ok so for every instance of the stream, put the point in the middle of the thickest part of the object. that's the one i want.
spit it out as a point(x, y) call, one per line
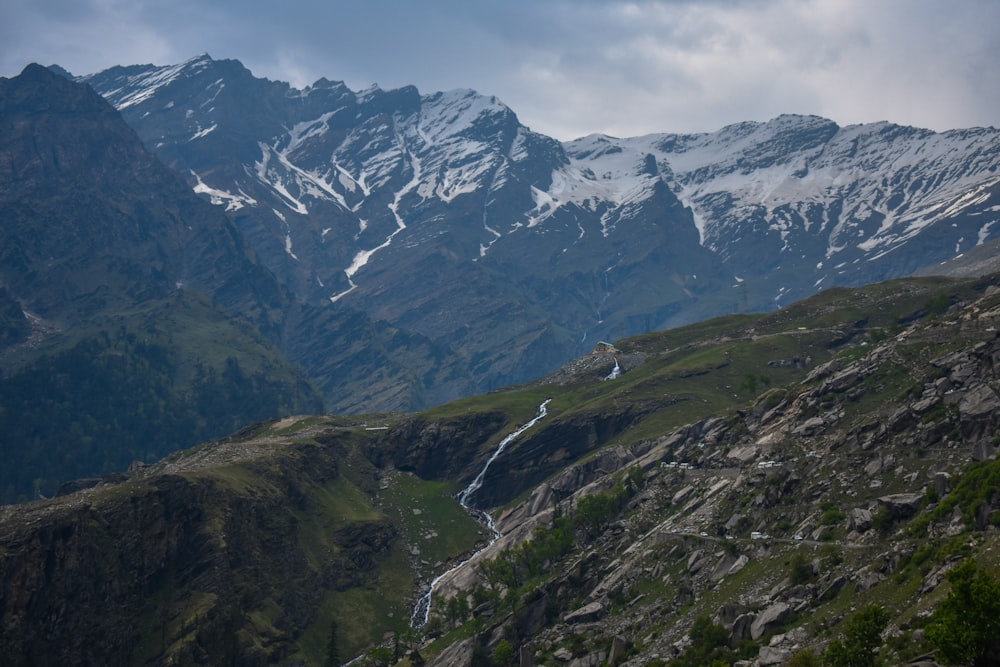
point(422, 609)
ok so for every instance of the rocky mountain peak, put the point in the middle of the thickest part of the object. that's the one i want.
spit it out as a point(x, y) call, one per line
point(40, 90)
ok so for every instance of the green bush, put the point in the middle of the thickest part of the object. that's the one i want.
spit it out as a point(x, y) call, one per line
point(862, 638)
point(832, 517)
point(801, 570)
point(709, 646)
point(966, 625)
point(804, 658)
point(503, 654)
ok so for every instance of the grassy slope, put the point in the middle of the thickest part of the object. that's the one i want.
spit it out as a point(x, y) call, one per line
point(707, 365)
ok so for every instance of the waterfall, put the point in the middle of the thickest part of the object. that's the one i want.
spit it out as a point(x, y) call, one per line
point(422, 610)
point(615, 372)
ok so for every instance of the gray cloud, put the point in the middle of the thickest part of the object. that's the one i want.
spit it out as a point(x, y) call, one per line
point(569, 68)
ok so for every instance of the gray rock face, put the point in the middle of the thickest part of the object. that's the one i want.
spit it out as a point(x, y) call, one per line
point(831, 589)
point(942, 483)
point(739, 564)
point(742, 627)
point(979, 401)
point(810, 426)
point(859, 519)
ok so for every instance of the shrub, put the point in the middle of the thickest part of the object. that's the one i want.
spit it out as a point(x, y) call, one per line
point(801, 569)
point(966, 625)
point(503, 654)
point(862, 637)
point(832, 517)
point(804, 658)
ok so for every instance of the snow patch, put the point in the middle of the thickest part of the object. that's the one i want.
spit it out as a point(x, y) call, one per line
point(201, 133)
point(221, 197)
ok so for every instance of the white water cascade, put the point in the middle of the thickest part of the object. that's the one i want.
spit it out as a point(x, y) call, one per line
point(615, 372)
point(422, 610)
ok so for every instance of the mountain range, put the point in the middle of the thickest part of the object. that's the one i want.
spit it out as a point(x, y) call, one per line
point(401, 250)
point(507, 253)
point(136, 319)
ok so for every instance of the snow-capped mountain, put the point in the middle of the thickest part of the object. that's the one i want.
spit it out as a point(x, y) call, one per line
point(444, 217)
point(850, 205)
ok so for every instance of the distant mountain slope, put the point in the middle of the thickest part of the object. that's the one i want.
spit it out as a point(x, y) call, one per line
point(442, 215)
point(93, 221)
point(133, 311)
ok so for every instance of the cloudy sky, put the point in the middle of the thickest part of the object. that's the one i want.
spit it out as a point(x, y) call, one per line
point(568, 67)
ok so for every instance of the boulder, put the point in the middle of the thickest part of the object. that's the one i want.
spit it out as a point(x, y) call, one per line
point(859, 519)
point(942, 483)
point(619, 647)
point(809, 427)
point(769, 619)
point(833, 588)
point(729, 612)
point(682, 496)
point(743, 455)
point(696, 561)
point(983, 451)
point(734, 523)
point(979, 401)
point(770, 655)
point(563, 654)
point(585, 614)
point(742, 628)
point(935, 577)
point(901, 505)
point(740, 563)
point(867, 580)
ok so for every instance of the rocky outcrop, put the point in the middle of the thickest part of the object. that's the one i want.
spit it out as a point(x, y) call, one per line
point(445, 449)
point(902, 505)
point(555, 443)
point(457, 448)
